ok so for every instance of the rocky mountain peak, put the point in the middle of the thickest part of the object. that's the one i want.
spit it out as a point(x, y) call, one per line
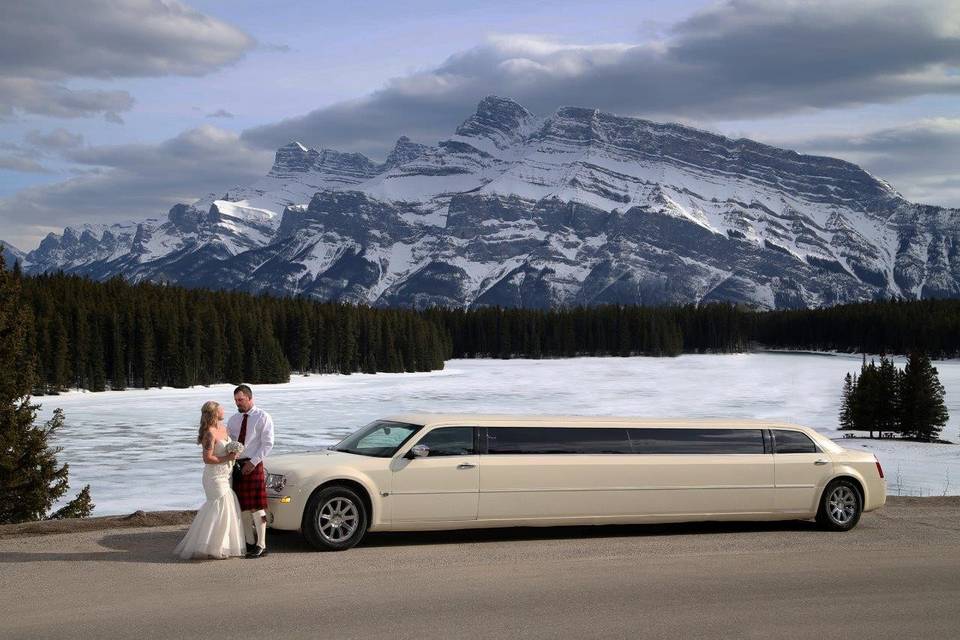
point(501, 120)
point(580, 207)
point(293, 157)
point(404, 151)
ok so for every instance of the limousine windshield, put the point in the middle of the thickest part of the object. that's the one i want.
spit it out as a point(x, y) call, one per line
point(379, 439)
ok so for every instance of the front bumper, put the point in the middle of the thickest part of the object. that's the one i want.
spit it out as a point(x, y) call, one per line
point(284, 512)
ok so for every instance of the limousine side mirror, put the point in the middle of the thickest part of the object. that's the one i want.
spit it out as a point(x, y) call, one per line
point(418, 451)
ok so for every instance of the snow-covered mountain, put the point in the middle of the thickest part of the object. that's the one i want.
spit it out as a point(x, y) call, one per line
point(11, 254)
point(579, 207)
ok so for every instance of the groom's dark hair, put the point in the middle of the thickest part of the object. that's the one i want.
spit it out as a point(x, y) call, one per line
point(245, 390)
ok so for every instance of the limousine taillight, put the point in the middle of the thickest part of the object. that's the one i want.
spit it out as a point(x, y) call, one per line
point(879, 468)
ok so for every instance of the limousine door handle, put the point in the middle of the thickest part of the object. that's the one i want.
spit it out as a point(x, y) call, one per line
point(820, 461)
point(465, 465)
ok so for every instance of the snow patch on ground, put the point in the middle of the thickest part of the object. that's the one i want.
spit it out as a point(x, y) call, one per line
point(136, 448)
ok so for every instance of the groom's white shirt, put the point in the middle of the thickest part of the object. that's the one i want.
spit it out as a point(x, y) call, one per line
point(259, 440)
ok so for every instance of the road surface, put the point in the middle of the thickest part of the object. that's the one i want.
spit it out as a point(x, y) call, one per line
point(897, 575)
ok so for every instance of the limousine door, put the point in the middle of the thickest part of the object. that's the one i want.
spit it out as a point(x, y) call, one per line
point(442, 487)
point(701, 472)
point(569, 473)
point(802, 470)
point(553, 473)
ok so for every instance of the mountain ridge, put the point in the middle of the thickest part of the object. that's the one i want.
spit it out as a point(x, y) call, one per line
point(578, 207)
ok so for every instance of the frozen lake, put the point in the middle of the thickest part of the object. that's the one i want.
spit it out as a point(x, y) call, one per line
point(136, 448)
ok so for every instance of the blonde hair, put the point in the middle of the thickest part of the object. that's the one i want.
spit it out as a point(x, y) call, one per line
point(209, 414)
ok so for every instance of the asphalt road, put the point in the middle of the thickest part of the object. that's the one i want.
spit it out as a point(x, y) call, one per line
point(897, 575)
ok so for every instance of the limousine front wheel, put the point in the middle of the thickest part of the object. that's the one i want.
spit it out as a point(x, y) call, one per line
point(335, 519)
point(840, 506)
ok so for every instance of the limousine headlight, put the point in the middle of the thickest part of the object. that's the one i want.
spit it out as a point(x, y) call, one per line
point(276, 482)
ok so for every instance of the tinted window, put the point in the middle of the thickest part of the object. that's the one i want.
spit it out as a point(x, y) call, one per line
point(449, 441)
point(696, 440)
point(529, 440)
point(792, 442)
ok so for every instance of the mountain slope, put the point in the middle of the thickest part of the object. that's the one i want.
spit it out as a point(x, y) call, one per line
point(11, 254)
point(579, 207)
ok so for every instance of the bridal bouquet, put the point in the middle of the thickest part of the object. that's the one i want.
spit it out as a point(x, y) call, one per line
point(235, 447)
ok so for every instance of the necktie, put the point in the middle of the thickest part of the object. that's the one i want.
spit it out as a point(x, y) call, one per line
point(243, 429)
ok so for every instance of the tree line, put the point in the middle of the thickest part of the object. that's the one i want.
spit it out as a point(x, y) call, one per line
point(885, 326)
point(115, 334)
point(610, 330)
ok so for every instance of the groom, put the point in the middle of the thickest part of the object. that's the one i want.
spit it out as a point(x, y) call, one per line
point(253, 427)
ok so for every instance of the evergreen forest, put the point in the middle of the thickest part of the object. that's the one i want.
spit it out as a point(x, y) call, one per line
point(117, 334)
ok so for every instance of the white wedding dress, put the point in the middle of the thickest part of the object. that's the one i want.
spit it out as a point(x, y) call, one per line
point(215, 531)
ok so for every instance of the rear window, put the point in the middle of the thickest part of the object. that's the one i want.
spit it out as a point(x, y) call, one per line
point(792, 442)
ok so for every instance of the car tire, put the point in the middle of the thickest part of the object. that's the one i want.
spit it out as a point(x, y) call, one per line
point(335, 519)
point(840, 506)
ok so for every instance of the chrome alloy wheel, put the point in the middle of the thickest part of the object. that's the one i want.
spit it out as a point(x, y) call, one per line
point(338, 519)
point(842, 505)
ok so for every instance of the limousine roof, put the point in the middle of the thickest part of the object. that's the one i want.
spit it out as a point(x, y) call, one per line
point(480, 419)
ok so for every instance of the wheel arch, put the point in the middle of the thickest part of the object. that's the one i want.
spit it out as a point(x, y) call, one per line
point(857, 482)
point(353, 484)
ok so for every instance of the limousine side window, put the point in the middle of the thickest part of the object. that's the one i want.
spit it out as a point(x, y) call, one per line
point(696, 441)
point(556, 440)
point(450, 441)
point(792, 442)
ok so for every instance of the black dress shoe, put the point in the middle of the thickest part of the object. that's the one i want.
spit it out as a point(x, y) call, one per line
point(258, 552)
point(251, 547)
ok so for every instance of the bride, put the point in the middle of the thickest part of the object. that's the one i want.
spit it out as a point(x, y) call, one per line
point(216, 531)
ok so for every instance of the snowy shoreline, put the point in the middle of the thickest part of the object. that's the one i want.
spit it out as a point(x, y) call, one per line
point(136, 448)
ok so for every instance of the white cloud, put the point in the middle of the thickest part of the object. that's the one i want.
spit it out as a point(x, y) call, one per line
point(918, 158)
point(56, 140)
point(45, 43)
point(739, 59)
point(21, 164)
point(52, 39)
point(133, 181)
point(56, 100)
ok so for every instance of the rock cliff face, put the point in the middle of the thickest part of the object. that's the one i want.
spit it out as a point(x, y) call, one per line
point(579, 207)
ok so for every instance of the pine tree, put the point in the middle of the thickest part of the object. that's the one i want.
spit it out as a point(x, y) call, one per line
point(923, 413)
point(887, 400)
point(846, 404)
point(60, 354)
point(31, 479)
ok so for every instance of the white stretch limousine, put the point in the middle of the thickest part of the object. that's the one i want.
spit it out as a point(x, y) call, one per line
point(429, 471)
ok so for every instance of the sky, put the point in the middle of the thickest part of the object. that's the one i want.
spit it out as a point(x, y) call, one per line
point(116, 110)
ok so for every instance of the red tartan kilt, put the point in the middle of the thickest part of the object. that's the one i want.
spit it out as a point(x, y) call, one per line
point(251, 490)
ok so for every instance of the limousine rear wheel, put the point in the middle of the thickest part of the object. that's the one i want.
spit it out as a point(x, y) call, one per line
point(840, 506)
point(335, 519)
